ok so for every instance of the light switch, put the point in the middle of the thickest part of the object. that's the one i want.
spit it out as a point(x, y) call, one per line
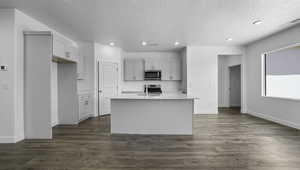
point(3, 68)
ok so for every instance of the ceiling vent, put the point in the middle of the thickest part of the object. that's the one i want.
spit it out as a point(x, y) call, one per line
point(295, 21)
point(153, 44)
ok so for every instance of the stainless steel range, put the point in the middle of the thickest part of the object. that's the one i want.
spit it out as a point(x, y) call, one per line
point(153, 89)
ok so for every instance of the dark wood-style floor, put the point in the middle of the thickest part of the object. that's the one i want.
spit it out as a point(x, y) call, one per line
point(228, 141)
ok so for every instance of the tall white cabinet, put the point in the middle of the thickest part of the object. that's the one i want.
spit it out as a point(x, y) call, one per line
point(37, 85)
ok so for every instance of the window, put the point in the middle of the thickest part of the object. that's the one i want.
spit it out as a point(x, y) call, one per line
point(281, 73)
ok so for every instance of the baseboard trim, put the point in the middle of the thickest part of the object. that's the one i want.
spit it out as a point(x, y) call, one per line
point(274, 119)
point(7, 139)
point(206, 113)
point(19, 138)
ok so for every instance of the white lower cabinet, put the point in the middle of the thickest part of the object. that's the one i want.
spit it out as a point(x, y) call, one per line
point(85, 106)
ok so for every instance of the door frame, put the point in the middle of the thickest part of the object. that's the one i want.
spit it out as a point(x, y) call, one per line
point(224, 91)
point(229, 84)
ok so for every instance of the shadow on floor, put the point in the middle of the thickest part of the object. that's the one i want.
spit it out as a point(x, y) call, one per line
point(232, 110)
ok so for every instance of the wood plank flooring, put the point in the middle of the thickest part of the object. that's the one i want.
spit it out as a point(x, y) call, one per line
point(228, 141)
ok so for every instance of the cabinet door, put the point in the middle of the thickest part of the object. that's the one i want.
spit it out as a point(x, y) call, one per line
point(71, 52)
point(149, 64)
point(133, 69)
point(58, 48)
point(138, 69)
point(81, 107)
point(86, 104)
point(175, 69)
point(129, 70)
point(165, 69)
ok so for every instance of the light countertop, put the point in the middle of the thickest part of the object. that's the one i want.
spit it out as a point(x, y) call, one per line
point(154, 97)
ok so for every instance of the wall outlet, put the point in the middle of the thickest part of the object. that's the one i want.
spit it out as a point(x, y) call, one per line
point(3, 68)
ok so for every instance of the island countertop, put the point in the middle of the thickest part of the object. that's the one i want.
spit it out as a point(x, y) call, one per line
point(154, 97)
point(165, 114)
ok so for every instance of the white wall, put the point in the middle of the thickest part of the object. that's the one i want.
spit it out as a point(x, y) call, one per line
point(281, 110)
point(13, 23)
point(54, 94)
point(167, 86)
point(224, 62)
point(202, 75)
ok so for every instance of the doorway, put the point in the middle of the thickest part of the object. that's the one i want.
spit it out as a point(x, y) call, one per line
point(230, 83)
point(107, 85)
point(235, 86)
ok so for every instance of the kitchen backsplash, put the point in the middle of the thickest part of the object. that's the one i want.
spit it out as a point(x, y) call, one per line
point(167, 86)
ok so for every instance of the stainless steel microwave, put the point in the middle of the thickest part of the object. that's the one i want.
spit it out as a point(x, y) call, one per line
point(152, 75)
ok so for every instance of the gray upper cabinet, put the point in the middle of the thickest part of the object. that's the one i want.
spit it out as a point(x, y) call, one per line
point(134, 69)
point(171, 68)
point(175, 69)
point(153, 64)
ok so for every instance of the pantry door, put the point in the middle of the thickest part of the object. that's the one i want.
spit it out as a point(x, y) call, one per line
point(107, 85)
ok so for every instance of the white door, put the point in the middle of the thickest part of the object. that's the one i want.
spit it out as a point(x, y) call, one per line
point(108, 85)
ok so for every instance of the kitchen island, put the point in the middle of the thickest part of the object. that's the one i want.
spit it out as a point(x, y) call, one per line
point(157, 114)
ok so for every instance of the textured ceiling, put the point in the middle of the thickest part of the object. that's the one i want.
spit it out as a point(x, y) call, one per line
point(191, 22)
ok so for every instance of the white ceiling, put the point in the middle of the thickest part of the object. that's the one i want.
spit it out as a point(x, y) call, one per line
point(191, 22)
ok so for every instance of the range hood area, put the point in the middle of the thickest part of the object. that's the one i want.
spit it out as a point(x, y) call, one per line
point(153, 66)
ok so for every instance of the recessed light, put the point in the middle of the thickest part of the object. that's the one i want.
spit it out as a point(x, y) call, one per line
point(229, 39)
point(257, 22)
point(144, 43)
point(112, 44)
point(176, 43)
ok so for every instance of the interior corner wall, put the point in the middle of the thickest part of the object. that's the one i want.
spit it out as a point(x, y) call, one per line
point(7, 78)
point(202, 75)
point(283, 111)
point(54, 94)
